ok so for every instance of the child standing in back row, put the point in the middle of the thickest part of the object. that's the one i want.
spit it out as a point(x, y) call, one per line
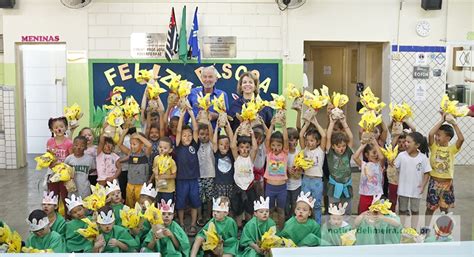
point(82, 164)
point(440, 186)
point(313, 142)
point(138, 173)
point(276, 144)
point(414, 168)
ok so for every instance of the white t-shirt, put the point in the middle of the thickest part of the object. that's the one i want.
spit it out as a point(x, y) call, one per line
point(206, 160)
point(292, 183)
point(412, 170)
point(243, 172)
point(317, 155)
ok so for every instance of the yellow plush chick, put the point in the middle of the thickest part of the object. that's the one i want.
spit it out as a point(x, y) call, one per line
point(91, 231)
point(14, 243)
point(399, 112)
point(143, 77)
point(184, 88)
point(153, 214)
point(164, 163)
point(370, 102)
point(131, 216)
point(278, 103)
point(62, 172)
point(286, 243)
point(259, 103)
point(249, 111)
point(97, 199)
point(219, 104)
point(174, 84)
point(381, 206)
point(115, 117)
point(339, 100)
point(204, 102)
point(212, 238)
point(5, 233)
point(292, 92)
point(131, 108)
point(369, 121)
point(45, 160)
point(348, 238)
point(316, 100)
point(73, 112)
point(34, 250)
point(451, 107)
point(154, 90)
point(390, 153)
point(270, 239)
point(301, 162)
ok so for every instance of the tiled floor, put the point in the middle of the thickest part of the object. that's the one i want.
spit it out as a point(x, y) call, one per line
point(20, 192)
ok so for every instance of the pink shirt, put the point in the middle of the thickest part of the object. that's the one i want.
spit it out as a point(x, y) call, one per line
point(105, 164)
point(61, 151)
point(276, 166)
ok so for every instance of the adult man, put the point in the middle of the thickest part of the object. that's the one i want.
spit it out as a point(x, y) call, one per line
point(208, 79)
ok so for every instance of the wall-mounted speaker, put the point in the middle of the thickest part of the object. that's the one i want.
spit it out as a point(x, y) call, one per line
point(431, 4)
point(7, 3)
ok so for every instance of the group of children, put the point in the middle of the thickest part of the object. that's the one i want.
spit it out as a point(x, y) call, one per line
point(213, 174)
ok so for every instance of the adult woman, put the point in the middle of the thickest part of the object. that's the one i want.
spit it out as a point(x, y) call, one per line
point(247, 88)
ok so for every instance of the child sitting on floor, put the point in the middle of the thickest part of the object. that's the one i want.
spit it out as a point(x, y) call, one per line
point(41, 237)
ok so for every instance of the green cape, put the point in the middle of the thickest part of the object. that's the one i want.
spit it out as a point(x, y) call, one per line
point(52, 240)
point(227, 230)
point(302, 234)
point(165, 245)
point(378, 233)
point(331, 236)
point(253, 232)
point(74, 241)
point(123, 236)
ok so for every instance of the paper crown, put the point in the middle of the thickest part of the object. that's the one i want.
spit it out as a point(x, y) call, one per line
point(50, 198)
point(112, 186)
point(264, 203)
point(217, 205)
point(338, 209)
point(148, 190)
point(106, 218)
point(166, 206)
point(36, 225)
point(73, 202)
point(305, 197)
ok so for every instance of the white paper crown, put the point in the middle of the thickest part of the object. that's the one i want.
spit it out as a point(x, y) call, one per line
point(112, 186)
point(217, 205)
point(166, 206)
point(305, 197)
point(36, 225)
point(264, 203)
point(148, 190)
point(73, 202)
point(50, 198)
point(334, 210)
point(106, 218)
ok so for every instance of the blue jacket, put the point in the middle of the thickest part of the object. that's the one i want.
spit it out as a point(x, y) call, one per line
point(193, 100)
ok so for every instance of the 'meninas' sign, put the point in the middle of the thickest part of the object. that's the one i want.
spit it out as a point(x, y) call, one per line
point(40, 38)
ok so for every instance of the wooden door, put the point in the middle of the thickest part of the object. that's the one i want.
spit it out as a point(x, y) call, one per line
point(329, 70)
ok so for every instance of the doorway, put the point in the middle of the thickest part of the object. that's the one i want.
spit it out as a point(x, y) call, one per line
point(340, 66)
point(42, 71)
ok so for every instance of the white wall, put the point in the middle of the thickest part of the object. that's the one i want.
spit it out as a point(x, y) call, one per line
point(43, 17)
point(257, 26)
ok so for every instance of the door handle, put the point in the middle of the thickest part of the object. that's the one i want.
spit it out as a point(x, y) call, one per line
point(59, 80)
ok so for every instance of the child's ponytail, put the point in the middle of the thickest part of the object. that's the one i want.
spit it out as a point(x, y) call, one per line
point(419, 139)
